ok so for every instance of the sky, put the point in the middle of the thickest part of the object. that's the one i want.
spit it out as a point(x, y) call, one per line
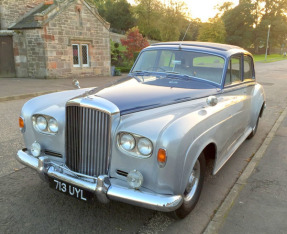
point(202, 9)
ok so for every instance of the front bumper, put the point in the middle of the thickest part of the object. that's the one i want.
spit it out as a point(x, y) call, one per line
point(103, 188)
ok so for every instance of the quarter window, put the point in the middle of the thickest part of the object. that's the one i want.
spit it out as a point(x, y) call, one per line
point(234, 71)
point(80, 55)
point(248, 68)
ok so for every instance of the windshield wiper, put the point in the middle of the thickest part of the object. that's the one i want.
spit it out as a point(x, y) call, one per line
point(172, 72)
point(177, 75)
point(140, 73)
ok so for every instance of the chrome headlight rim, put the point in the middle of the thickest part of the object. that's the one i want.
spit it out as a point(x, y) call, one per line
point(53, 125)
point(145, 146)
point(41, 123)
point(135, 152)
point(47, 130)
point(129, 139)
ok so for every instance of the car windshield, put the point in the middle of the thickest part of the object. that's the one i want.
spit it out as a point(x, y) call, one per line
point(183, 63)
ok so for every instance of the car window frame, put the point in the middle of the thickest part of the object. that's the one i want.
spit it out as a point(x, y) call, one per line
point(252, 79)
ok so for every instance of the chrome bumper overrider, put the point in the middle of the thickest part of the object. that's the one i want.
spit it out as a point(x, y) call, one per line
point(102, 187)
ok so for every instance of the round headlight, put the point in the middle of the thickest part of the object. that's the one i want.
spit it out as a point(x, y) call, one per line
point(127, 142)
point(53, 125)
point(135, 179)
point(36, 149)
point(41, 123)
point(145, 146)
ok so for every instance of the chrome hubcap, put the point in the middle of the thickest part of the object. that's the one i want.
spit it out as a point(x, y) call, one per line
point(192, 182)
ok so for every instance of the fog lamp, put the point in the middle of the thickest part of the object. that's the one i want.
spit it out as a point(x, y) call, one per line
point(36, 149)
point(135, 179)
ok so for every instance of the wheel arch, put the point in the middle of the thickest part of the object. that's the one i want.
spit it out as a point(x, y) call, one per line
point(209, 149)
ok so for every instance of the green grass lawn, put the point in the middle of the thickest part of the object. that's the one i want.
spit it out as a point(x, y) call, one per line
point(270, 58)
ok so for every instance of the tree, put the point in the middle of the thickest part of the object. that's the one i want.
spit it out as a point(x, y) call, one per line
point(193, 27)
point(117, 13)
point(247, 24)
point(148, 13)
point(134, 42)
point(172, 20)
point(213, 31)
point(239, 24)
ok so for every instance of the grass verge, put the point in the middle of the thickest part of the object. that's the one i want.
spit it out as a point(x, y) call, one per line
point(270, 58)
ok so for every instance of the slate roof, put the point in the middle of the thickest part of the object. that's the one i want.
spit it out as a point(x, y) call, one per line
point(29, 22)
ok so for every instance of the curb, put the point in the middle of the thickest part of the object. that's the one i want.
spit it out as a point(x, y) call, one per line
point(22, 96)
point(219, 217)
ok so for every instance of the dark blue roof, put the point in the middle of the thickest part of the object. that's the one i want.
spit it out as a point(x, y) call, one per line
point(211, 47)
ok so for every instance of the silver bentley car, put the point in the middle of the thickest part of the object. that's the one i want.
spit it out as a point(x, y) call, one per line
point(145, 139)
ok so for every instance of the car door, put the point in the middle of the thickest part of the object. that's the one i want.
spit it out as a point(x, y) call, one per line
point(249, 85)
point(234, 98)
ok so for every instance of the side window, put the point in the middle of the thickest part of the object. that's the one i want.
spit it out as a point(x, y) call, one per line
point(248, 68)
point(234, 71)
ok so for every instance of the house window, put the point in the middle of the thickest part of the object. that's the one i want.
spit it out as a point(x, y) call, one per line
point(85, 53)
point(80, 55)
point(76, 56)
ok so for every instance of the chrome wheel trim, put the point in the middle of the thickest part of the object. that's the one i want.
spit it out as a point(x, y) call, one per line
point(193, 181)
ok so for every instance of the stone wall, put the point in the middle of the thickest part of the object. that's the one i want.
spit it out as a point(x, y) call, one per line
point(36, 56)
point(76, 24)
point(20, 54)
point(13, 10)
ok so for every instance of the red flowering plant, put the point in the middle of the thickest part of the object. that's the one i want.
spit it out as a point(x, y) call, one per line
point(134, 42)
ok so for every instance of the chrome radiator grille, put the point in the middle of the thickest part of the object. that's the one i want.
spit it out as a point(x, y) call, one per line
point(87, 140)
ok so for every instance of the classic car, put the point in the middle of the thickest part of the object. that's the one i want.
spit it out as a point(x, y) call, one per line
point(145, 139)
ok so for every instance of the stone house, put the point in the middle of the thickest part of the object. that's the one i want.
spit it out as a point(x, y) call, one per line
point(52, 39)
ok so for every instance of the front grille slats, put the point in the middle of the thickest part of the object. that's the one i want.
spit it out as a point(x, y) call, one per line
point(87, 140)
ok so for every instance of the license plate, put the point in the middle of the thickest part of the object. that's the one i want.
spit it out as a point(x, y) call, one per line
point(71, 190)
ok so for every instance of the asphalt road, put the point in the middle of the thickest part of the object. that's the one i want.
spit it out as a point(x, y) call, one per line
point(29, 206)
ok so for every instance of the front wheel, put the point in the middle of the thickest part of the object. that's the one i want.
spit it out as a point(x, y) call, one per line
point(193, 189)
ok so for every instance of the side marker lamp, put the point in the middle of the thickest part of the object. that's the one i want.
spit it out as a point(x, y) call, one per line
point(161, 157)
point(21, 124)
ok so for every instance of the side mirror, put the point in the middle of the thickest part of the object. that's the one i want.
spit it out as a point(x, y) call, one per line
point(211, 100)
point(76, 83)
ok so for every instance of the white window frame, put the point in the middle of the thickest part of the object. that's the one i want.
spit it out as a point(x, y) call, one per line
point(88, 61)
point(79, 58)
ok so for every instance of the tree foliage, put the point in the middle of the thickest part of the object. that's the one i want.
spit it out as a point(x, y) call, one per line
point(134, 42)
point(239, 24)
point(213, 31)
point(117, 12)
point(247, 24)
point(160, 21)
point(147, 14)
